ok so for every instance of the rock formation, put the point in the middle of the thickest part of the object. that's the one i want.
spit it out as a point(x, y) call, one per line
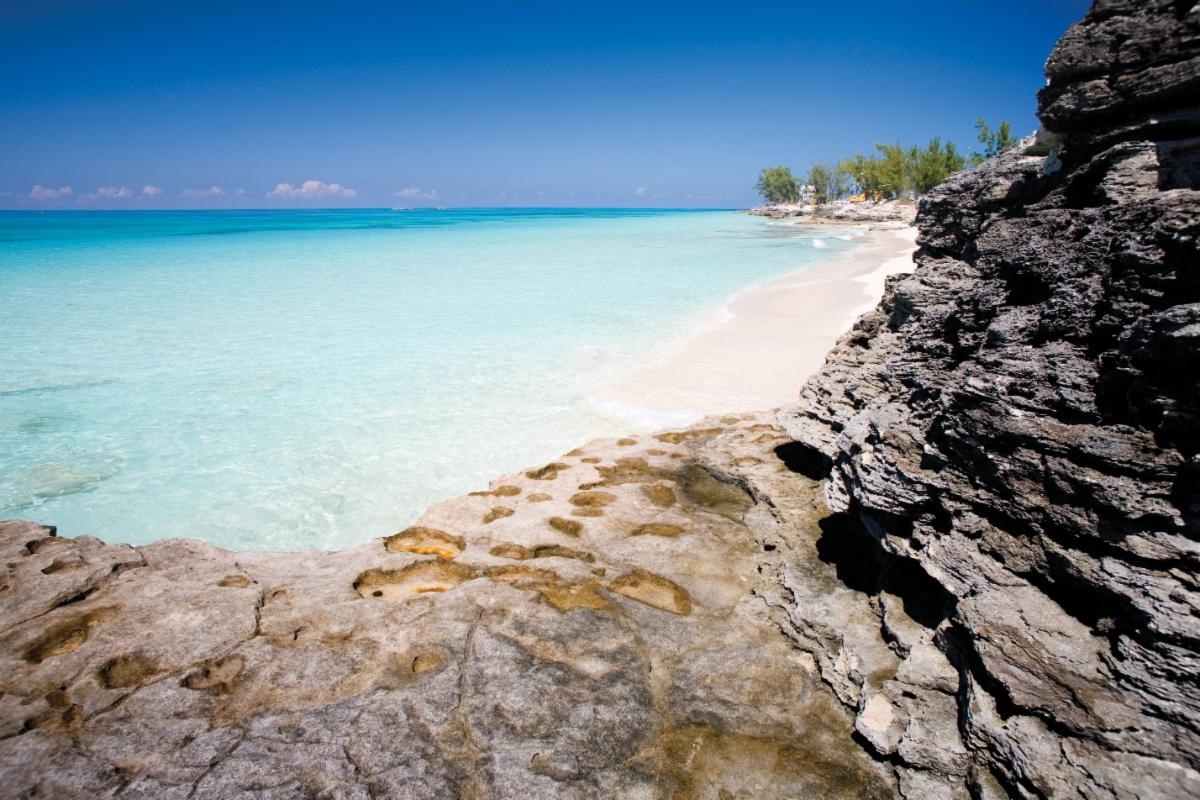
point(967, 569)
point(1013, 437)
point(882, 214)
point(595, 627)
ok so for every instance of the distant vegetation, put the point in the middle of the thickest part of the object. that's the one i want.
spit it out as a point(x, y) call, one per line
point(777, 185)
point(894, 171)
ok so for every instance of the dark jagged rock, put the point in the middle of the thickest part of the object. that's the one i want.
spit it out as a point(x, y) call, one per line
point(1018, 425)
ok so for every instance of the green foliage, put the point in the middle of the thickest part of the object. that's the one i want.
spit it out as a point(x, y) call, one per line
point(867, 175)
point(777, 185)
point(897, 170)
point(934, 164)
point(994, 141)
point(830, 181)
point(893, 171)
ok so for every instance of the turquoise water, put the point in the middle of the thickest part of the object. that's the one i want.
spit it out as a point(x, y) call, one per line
point(295, 379)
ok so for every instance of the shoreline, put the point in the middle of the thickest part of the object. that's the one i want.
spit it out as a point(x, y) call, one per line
point(771, 337)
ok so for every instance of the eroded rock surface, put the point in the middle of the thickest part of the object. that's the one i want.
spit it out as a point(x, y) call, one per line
point(596, 627)
point(1013, 439)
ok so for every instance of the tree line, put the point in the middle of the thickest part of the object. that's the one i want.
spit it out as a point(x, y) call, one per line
point(893, 171)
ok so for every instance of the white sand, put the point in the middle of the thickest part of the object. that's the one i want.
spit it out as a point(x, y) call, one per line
point(772, 339)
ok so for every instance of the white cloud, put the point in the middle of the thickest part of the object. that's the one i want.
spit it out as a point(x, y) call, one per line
point(414, 193)
point(312, 189)
point(110, 193)
point(151, 191)
point(212, 191)
point(40, 192)
point(640, 191)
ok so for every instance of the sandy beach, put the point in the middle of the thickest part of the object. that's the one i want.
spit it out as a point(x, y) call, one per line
point(771, 338)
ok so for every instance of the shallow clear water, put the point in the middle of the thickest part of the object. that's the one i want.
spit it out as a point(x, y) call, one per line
point(295, 379)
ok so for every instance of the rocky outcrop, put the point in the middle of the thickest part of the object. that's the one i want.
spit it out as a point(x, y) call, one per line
point(1012, 438)
point(595, 627)
point(883, 214)
point(898, 213)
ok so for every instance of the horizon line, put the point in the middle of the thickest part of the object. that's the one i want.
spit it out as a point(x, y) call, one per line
point(365, 208)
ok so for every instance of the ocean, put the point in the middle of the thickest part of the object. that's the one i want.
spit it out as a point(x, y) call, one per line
point(313, 379)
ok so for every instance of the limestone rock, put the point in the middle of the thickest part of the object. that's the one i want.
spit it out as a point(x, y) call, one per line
point(534, 654)
point(1014, 431)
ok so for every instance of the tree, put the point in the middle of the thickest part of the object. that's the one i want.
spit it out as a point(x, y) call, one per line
point(830, 181)
point(994, 142)
point(931, 166)
point(818, 179)
point(777, 185)
point(893, 169)
point(866, 175)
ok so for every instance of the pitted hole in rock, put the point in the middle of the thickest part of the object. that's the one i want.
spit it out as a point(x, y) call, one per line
point(63, 565)
point(1025, 287)
point(558, 551)
point(421, 577)
point(864, 566)
point(628, 470)
point(39, 545)
point(567, 527)
point(497, 512)
point(853, 553)
point(410, 665)
point(566, 596)
point(653, 590)
point(659, 494)
point(663, 529)
point(515, 573)
point(708, 491)
point(519, 553)
point(548, 472)
point(218, 675)
point(705, 761)
point(514, 551)
point(678, 437)
point(562, 595)
point(507, 490)
point(67, 637)
point(592, 499)
point(587, 512)
point(134, 669)
point(234, 582)
point(804, 460)
point(425, 541)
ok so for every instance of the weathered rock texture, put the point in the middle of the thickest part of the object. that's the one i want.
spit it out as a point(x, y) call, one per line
point(1013, 438)
point(595, 627)
point(883, 214)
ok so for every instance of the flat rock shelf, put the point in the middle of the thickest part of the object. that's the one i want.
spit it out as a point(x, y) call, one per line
point(609, 624)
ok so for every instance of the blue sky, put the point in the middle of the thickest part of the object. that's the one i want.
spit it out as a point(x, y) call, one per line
point(160, 104)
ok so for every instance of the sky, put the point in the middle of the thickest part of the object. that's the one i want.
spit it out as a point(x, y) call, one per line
point(161, 104)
